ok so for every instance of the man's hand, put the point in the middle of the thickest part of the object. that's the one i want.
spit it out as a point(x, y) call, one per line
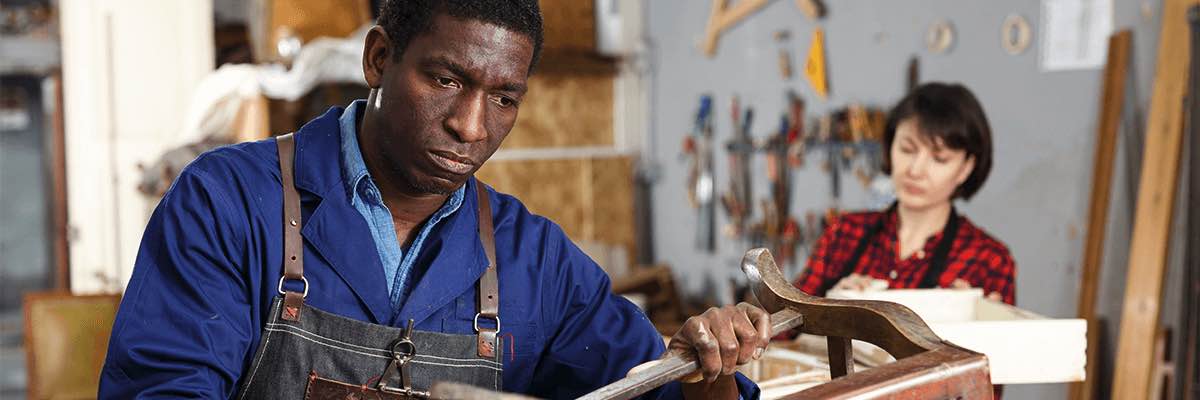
point(723, 338)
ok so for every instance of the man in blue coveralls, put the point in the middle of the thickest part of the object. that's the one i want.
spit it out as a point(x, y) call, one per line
point(394, 229)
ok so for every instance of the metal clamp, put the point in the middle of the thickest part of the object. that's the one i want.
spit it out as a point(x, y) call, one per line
point(495, 317)
point(302, 279)
point(403, 350)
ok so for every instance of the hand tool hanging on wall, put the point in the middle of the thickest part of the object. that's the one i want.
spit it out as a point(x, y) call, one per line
point(738, 199)
point(866, 127)
point(796, 135)
point(777, 229)
point(722, 18)
point(1015, 34)
point(850, 139)
point(813, 9)
point(914, 74)
point(939, 38)
point(814, 67)
point(698, 146)
point(785, 57)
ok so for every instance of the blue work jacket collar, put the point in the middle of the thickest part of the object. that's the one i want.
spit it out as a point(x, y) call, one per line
point(337, 233)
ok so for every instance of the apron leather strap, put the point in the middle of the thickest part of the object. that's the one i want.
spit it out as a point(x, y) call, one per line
point(489, 288)
point(293, 244)
point(859, 249)
point(937, 264)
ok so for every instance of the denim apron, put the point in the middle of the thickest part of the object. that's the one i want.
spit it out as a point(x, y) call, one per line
point(311, 354)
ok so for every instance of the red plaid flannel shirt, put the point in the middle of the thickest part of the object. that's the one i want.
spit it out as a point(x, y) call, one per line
point(975, 257)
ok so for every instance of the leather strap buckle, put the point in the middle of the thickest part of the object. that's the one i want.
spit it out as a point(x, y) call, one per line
point(493, 317)
point(302, 280)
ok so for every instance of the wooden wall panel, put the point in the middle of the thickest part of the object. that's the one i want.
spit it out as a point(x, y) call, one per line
point(568, 25)
point(565, 111)
point(591, 198)
point(550, 188)
point(610, 186)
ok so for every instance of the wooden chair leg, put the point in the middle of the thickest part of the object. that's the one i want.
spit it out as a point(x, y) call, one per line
point(841, 356)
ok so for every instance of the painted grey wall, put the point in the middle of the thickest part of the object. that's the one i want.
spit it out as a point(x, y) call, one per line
point(1044, 123)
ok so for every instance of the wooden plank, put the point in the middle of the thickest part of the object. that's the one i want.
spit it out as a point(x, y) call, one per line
point(1155, 204)
point(1022, 346)
point(1024, 351)
point(1188, 358)
point(56, 148)
point(1111, 102)
point(933, 305)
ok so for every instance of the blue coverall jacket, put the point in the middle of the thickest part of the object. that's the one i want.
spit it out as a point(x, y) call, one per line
point(210, 262)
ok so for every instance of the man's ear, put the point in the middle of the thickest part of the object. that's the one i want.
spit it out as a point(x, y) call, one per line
point(377, 53)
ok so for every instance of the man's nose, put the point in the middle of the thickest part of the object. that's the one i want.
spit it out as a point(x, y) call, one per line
point(466, 121)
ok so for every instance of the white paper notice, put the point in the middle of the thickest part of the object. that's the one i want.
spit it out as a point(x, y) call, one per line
point(1075, 33)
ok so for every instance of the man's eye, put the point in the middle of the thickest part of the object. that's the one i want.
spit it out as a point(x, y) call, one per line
point(503, 101)
point(447, 82)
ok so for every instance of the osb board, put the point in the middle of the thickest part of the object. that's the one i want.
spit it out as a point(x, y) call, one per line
point(591, 198)
point(565, 111)
point(611, 189)
point(568, 25)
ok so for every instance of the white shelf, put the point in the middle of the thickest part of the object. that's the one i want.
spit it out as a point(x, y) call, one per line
point(29, 55)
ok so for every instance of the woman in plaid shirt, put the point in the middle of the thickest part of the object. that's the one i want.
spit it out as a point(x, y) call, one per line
point(939, 149)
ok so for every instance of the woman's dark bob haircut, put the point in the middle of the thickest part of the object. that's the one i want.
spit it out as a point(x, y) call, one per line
point(948, 115)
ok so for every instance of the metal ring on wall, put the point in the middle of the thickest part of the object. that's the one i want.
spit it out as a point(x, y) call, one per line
point(940, 37)
point(1015, 34)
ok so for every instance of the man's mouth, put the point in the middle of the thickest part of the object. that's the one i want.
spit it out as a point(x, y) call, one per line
point(452, 162)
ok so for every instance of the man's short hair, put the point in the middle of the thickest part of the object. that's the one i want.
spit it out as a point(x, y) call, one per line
point(404, 20)
point(948, 112)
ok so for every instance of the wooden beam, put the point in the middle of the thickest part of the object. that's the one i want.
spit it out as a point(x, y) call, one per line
point(1111, 103)
point(57, 155)
point(1186, 360)
point(1155, 204)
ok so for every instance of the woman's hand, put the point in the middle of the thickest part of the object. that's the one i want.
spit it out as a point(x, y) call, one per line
point(963, 284)
point(860, 283)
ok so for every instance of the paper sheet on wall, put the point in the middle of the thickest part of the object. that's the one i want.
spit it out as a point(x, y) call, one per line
point(1075, 34)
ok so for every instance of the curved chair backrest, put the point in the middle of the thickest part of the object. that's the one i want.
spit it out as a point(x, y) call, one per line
point(926, 366)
